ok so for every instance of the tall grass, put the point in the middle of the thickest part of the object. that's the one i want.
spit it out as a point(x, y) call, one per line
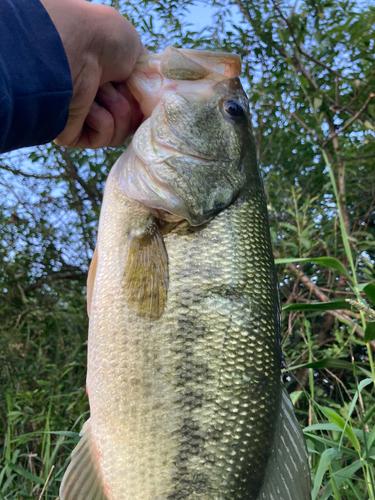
point(341, 430)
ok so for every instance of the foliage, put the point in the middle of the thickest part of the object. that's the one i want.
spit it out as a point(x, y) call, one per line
point(309, 73)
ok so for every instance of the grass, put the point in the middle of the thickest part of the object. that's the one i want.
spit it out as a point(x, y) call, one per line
point(42, 426)
point(43, 403)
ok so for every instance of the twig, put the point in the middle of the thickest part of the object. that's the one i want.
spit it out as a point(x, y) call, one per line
point(367, 429)
point(345, 389)
point(323, 298)
point(15, 171)
point(350, 121)
point(312, 58)
point(343, 108)
point(306, 127)
point(361, 157)
point(19, 318)
point(72, 172)
point(56, 276)
point(46, 483)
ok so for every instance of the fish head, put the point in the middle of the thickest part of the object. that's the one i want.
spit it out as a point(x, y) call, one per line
point(194, 154)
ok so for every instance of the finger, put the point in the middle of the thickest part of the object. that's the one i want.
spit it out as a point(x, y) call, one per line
point(98, 129)
point(116, 111)
point(120, 109)
point(136, 114)
point(73, 128)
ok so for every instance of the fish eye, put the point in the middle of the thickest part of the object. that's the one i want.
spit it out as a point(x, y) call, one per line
point(233, 109)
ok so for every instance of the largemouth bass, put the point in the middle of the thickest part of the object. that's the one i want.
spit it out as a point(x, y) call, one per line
point(184, 351)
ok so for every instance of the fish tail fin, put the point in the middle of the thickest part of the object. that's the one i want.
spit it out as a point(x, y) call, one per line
point(287, 474)
point(81, 480)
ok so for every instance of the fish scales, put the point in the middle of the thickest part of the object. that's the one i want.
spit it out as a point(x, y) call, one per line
point(190, 391)
point(184, 359)
point(229, 362)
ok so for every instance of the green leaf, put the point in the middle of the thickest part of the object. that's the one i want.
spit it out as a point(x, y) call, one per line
point(25, 473)
point(371, 437)
point(294, 396)
point(325, 461)
point(330, 262)
point(317, 306)
point(305, 242)
point(341, 476)
point(340, 422)
point(317, 102)
point(347, 472)
point(370, 331)
point(322, 427)
point(369, 290)
point(70, 434)
point(341, 219)
point(288, 226)
point(364, 383)
point(369, 125)
point(328, 442)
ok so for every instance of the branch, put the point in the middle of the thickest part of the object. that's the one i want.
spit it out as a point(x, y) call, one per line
point(312, 58)
point(361, 157)
point(309, 284)
point(67, 275)
point(350, 121)
point(24, 174)
point(306, 127)
point(343, 108)
point(246, 15)
point(92, 193)
point(315, 290)
point(19, 318)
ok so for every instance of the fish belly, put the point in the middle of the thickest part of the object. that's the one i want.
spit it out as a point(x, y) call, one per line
point(183, 407)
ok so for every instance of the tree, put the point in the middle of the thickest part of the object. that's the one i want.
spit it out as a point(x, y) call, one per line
point(309, 73)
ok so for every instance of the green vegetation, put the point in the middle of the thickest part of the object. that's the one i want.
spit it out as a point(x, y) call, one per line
point(309, 72)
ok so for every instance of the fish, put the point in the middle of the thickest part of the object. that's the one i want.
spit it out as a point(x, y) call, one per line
point(184, 356)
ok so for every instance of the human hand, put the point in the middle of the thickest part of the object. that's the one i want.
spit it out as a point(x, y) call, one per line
point(102, 48)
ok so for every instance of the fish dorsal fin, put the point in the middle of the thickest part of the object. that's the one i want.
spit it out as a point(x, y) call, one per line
point(81, 480)
point(287, 474)
point(146, 272)
point(91, 279)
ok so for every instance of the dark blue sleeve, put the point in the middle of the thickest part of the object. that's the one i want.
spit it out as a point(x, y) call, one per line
point(35, 82)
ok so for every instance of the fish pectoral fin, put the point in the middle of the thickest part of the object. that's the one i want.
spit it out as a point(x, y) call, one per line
point(287, 473)
point(146, 272)
point(81, 480)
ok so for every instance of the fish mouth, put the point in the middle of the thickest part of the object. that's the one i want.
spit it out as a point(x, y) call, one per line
point(154, 74)
point(191, 64)
point(170, 165)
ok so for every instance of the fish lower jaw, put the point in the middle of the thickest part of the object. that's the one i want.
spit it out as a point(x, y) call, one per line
point(168, 217)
